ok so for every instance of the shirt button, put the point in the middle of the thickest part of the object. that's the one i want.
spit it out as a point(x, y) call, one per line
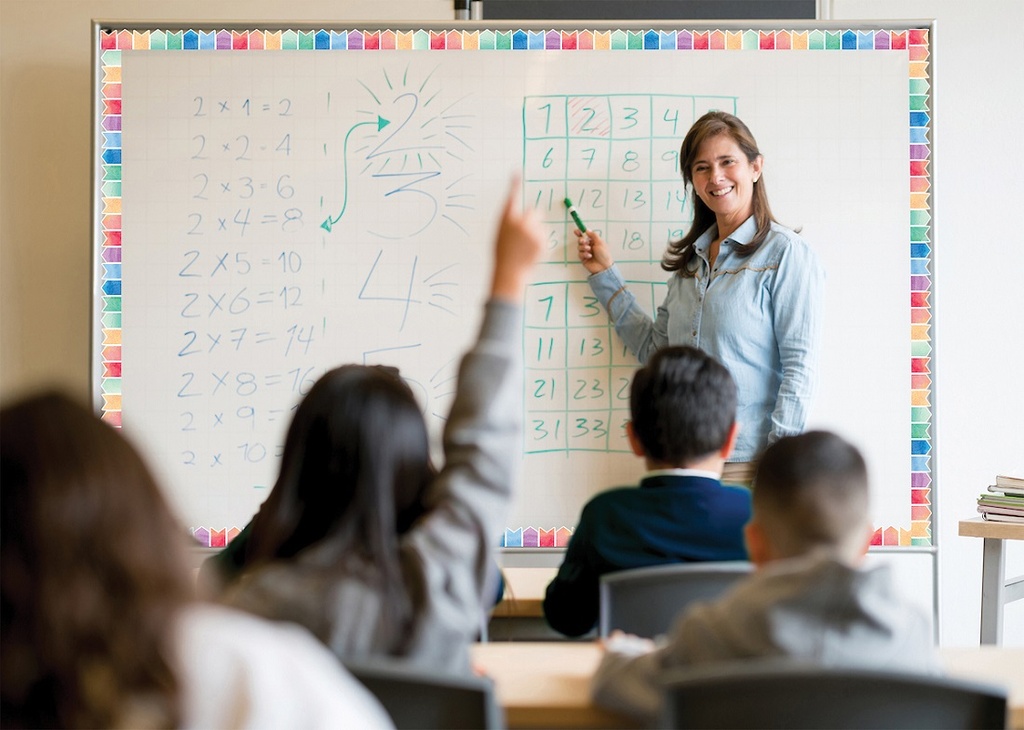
point(695, 333)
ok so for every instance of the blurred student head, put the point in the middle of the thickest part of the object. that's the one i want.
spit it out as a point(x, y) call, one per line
point(810, 493)
point(93, 570)
point(683, 408)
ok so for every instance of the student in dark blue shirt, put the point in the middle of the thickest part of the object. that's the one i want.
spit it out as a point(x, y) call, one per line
point(683, 410)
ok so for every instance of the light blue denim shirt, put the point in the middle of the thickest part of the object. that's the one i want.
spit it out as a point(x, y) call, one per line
point(759, 315)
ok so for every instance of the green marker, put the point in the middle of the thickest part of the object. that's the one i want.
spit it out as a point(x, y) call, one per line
point(575, 216)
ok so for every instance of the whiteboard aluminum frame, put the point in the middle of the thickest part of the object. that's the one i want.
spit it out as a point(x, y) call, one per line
point(823, 22)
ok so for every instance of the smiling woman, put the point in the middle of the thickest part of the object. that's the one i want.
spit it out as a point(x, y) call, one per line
point(744, 288)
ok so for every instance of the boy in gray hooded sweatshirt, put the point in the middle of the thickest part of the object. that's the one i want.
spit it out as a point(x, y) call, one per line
point(809, 599)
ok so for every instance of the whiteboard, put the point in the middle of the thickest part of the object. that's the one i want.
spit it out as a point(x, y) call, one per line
point(273, 202)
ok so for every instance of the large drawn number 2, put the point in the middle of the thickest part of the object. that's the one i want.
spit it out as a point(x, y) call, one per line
point(377, 151)
point(411, 179)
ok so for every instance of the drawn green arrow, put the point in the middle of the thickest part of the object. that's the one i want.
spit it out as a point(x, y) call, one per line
point(330, 222)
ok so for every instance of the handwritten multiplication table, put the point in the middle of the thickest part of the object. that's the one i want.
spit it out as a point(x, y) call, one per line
point(617, 157)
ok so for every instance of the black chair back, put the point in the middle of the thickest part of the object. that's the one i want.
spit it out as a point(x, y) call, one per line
point(780, 694)
point(646, 601)
point(417, 698)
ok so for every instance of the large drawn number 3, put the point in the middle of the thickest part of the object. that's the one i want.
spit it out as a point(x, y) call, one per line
point(408, 188)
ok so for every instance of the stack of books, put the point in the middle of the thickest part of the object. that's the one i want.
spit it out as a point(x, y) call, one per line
point(1004, 500)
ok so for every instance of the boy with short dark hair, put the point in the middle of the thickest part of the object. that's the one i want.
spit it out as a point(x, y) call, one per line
point(683, 409)
point(808, 598)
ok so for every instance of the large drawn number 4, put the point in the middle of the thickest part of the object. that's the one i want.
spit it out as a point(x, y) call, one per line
point(440, 296)
point(405, 297)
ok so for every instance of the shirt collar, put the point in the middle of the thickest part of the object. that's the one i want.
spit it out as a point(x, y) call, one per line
point(742, 235)
point(683, 473)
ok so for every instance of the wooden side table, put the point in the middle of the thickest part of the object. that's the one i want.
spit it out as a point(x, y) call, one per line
point(996, 589)
point(519, 616)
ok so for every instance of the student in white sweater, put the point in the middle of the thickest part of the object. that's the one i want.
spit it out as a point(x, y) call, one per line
point(100, 627)
point(809, 598)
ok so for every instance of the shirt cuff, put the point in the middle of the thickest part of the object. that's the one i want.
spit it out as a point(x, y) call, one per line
point(606, 283)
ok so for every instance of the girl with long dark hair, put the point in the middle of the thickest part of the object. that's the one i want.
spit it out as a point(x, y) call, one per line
point(360, 539)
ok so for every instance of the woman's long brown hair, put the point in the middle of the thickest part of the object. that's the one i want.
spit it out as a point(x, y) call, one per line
point(680, 254)
point(93, 574)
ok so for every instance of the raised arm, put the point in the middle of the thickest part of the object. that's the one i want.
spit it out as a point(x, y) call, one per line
point(468, 500)
point(516, 249)
point(636, 328)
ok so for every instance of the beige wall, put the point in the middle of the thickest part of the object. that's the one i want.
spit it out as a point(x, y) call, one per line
point(979, 261)
point(45, 97)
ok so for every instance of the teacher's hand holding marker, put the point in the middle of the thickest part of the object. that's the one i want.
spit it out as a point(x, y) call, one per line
point(745, 289)
point(591, 249)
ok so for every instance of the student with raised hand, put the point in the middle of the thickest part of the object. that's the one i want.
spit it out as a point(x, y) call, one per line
point(745, 289)
point(100, 627)
point(683, 409)
point(809, 597)
point(360, 540)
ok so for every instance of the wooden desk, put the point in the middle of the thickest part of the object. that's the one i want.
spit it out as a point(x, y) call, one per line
point(995, 665)
point(996, 589)
point(547, 684)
